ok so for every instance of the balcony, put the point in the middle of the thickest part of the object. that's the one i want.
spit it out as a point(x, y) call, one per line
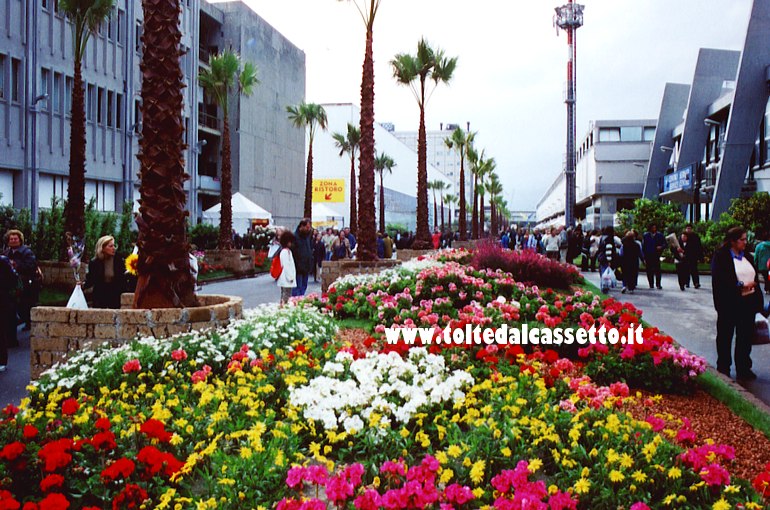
point(209, 183)
point(209, 122)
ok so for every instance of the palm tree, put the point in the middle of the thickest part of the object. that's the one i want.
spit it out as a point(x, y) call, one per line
point(349, 143)
point(367, 236)
point(441, 187)
point(164, 264)
point(408, 69)
point(473, 160)
point(434, 186)
point(383, 163)
point(487, 166)
point(217, 81)
point(450, 200)
point(310, 115)
point(461, 142)
point(86, 16)
point(494, 187)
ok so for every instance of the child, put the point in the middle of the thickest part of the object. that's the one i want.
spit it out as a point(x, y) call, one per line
point(288, 278)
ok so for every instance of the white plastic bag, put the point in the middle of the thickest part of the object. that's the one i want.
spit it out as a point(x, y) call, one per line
point(77, 299)
point(608, 279)
point(761, 330)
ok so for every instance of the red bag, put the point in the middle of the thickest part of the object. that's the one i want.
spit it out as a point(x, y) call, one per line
point(275, 266)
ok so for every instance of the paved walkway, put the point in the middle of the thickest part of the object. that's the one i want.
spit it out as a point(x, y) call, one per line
point(690, 318)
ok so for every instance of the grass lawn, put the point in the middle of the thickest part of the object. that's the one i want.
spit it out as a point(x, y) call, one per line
point(213, 275)
point(665, 267)
point(51, 296)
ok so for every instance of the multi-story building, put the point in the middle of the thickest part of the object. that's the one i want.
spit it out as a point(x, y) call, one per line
point(713, 141)
point(610, 173)
point(36, 67)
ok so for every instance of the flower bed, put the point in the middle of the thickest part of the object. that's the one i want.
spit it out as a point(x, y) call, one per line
point(275, 411)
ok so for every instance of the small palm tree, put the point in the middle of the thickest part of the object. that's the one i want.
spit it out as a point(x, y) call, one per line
point(383, 163)
point(86, 16)
point(434, 186)
point(461, 142)
point(473, 160)
point(494, 187)
point(486, 166)
point(441, 188)
point(313, 116)
point(349, 143)
point(450, 200)
point(427, 64)
point(225, 68)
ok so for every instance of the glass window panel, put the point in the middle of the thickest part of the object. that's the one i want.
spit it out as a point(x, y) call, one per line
point(609, 134)
point(631, 134)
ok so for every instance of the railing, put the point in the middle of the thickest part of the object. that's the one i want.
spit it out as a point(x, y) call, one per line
point(208, 120)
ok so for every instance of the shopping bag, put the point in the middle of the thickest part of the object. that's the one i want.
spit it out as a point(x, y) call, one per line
point(77, 299)
point(761, 330)
point(607, 278)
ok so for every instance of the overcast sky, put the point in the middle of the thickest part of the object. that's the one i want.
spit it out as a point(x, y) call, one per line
point(510, 79)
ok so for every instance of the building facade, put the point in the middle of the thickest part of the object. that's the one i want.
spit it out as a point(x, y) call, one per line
point(610, 174)
point(36, 67)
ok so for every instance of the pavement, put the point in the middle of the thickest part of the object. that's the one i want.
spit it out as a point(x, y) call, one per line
point(689, 317)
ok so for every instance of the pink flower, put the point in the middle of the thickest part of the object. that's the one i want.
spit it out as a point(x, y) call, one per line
point(294, 476)
point(715, 475)
point(179, 355)
point(132, 365)
point(369, 500)
point(639, 506)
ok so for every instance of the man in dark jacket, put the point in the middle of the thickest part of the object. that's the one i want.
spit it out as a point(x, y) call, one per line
point(25, 264)
point(303, 256)
point(9, 284)
point(693, 253)
point(653, 244)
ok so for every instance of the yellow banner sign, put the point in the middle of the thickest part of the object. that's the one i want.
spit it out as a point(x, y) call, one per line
point(328, 190)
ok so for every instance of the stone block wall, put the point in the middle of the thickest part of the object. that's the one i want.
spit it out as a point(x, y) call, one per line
point(468, 245)
point(236, 261)
point(404, 255)
point(58, 332)
point(60, 274)
point(333, 269)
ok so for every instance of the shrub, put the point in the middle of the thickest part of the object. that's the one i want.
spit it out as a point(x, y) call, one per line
point(526, 266)
point(259, 239)
point(204, 236)
point(667, 217)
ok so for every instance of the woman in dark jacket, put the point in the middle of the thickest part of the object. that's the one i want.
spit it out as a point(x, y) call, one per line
point(629, 262)
point(106, 274)
point(319, 254)
point(737, 300)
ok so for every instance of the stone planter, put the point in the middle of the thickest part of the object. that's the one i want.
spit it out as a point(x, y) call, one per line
point(468, 245)
point(333, 269)
point(60, 274)
point(58, 332)
point(404, 255)
point(236, 261)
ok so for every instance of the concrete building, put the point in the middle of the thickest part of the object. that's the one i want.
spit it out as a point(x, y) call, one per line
point(36, 67)
point(400, 186)
point(715, 132)
point(611, 169)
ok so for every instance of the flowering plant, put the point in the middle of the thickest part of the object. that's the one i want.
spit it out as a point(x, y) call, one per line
point(131, 264)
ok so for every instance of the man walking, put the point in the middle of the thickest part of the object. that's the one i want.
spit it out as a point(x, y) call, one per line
point(693, 253)
point(303, 256)
point(652, 246)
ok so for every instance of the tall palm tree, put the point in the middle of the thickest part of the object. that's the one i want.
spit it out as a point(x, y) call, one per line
point(367, 235)
point(441, 188)
point(494, 187)
point(487, 166)
point(434, 186)
point(311, 115)
point(474, 161)
point(408, 69)
point(450, 201)
point(164, 264)
point(349, 143)
point(86, 16)
point(383, 163)
point(461, 142)
point(225, 68)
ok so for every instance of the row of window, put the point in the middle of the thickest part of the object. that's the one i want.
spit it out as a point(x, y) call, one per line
point(59, 90)
point(10, 78)
point(113, 29)
point(104, 107)
point(627, 134)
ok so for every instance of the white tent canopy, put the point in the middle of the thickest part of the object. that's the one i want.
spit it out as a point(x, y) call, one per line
point(325, 216)
point(244, 210)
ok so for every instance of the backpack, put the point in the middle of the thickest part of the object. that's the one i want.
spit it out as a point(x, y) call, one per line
point(275, 266)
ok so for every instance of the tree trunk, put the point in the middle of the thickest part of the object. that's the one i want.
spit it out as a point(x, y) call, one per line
point(164, 265)
point(382, 205)
point(308, 211)
point(422, 236)
point(462, 221)
point(435, 212)
point(367, 238)
point(493, 215)
point(482, 216)
point(74, 209)
point(442, 212)
point(353, 222)
point(226, 193)
point(475, 216)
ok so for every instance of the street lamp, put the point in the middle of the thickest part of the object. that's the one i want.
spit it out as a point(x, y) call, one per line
point(33, 165)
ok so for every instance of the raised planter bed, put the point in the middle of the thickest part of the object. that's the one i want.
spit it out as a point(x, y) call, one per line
point(58, 332)
point(60, 274)
point(235, 261)
point(410, 254)
point(333, 269)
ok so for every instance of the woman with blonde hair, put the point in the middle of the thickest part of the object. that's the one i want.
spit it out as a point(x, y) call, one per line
point(106, 274)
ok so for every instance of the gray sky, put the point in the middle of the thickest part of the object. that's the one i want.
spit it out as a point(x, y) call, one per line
point(511, 73)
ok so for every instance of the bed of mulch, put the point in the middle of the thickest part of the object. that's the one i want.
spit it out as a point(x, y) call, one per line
point(711, 419)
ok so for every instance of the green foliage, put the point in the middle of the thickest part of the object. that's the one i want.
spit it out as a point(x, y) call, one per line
point(48, 240)
point(125, 236)
point(98, 224)
point(394, 228)
point(204, 236)
point(667, 217)
point(752, 213)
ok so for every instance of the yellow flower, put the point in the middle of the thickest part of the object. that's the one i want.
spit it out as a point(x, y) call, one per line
point(506, 452)
point(582, 486)
point(441, 457)
point(674, 473)
point(477, 471)
point(131, 264)
point(478, 492)
point(534, 465)
point(446, 475)
point(626, 461)
point(721, 505)
point(404, 433)
point(246, 452)
point(616, 476)
point(639, 476)
point(454, 451)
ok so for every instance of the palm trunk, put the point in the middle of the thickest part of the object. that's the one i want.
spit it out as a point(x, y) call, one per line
point(493, 215)
point(382, 205)
point(442, 212)
point(367, 238)
point(74, 209)
point(475, 216)
point(226, 192)
point(353, 212)
point(308, 212)
point(435, 212)
point(422, 237)
point(164, 264)
point(462, 221)
point(482, 216)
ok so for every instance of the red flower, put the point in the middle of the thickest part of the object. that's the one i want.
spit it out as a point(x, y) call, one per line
point(179, 355)
point(54, 501)
point(56, 454)
point(155, 429)
point(11, 451)
point(10, 410)
point(51, 482)
point(69, 407)
point(121, 468)
point(132, 365)
point(131, 496)
point(7, 501)
point(29, 506)
point(158, 461)
point(103, 424)
point(104, 441)
point(29, 431)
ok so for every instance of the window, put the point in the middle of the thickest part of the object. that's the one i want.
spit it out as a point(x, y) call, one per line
point(649, 134)
point(90, 102)
point(138, 29)
point(45, 76)
point(68, 95)
point(137, 116)
point(102, 29)
point(119, 29)
point(100, 106)
point(15, 79)
point(2, 76)
point(110, 109)
point(111, 28)
point(45, 4)
point(56, 100)
point(631, 134)
point(119, 111)
point(609, 134)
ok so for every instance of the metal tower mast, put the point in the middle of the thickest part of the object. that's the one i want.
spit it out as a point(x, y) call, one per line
point(569, 18)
